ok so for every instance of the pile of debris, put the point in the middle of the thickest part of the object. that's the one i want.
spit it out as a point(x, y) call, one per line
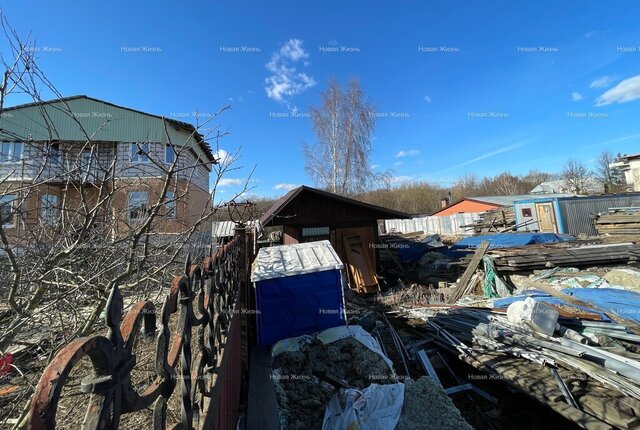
point(587, 369)
point(619, 221)
point(318, 377)
point(497, 220)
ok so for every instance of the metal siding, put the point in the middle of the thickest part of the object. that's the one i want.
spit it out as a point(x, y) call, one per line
point(101, 121)
point(576, 212)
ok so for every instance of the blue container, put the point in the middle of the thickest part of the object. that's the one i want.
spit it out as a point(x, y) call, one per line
point(298, 290)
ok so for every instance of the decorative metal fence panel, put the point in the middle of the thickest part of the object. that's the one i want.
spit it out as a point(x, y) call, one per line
point(205, 298)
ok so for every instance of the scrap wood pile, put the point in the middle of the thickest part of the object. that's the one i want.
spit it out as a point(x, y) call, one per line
point(619, 221)
point(416, 255)
point(536, 257)
point(587, 369)
point(496, 220)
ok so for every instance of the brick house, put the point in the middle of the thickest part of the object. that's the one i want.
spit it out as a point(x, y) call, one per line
point(48, 148)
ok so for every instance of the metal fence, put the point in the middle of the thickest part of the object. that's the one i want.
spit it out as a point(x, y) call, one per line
point(447, 225)
point(207, 379)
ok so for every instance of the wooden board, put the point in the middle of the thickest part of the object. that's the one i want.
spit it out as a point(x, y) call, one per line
point(361, 270)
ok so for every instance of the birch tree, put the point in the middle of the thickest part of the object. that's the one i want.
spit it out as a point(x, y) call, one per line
point(343, 123)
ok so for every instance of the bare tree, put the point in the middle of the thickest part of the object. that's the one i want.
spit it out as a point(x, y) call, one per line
point(577, 176)
point(611, 179)
point(62, 256)
point(343, 124)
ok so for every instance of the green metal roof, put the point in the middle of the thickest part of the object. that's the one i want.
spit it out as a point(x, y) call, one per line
point(71, 119)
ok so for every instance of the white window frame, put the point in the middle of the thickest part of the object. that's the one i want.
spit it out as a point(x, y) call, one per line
point(9, 157)
point(130, 205)
point(171, 205)
point(9, 199)
point(49, 209)
point(139, 158)
point(169, 149)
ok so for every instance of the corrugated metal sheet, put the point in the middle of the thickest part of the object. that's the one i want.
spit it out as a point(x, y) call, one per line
point(449, 224)
point(228, 228)
point(577, 213)
point(102, 121)
point(290, 260)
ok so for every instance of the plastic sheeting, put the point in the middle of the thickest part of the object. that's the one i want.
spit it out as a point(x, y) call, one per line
point(620, 302)
point(376, 407)
point(546, 298)
point(510, 240)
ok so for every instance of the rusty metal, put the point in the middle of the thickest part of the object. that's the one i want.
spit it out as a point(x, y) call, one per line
point(205, 296)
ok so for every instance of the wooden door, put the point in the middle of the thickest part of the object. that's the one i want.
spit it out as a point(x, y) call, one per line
point(546, 218)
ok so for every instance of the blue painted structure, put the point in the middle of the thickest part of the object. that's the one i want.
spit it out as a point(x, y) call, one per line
point(298, 290)
point(574, 215)
point(301, 304)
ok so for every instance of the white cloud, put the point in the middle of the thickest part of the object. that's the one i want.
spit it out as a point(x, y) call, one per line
point(397, 163)
point(374, 166)
point(492, 153)
point(400, 179)
point(618, 140)
point(285, 187)
point(576, 96)
point(626, 91)
point(427, 99)
point(407, 153)
point(223, 156)
point(225, 182)
point(285, 80)
point(602, 81)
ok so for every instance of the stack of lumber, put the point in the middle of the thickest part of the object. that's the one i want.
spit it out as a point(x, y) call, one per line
point(496, 220)
point(613, 223)
point(535, 257)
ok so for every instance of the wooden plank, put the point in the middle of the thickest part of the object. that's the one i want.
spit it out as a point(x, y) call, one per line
point(360, 267)
point(468, 273)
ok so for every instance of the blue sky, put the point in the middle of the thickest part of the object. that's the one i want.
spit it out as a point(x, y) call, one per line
point(459, 87)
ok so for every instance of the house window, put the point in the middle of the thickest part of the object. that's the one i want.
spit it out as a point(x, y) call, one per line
point(11, 151)
point(54, 153)
point(138, 202)
point(526, 212)
point(170, 205)
point(49, 210)
point(7, 216)
point(140, 153)
point(169, 154)
point(88, 164)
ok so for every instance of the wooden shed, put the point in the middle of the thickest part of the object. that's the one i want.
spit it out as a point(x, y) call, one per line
point(307, 214)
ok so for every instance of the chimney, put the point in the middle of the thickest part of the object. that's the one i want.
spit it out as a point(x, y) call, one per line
point(444, 202)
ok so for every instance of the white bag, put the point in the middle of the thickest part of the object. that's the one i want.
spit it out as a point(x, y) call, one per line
point(376, 407)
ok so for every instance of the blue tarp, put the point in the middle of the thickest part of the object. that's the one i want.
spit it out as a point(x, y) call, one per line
point(621, 302)
point(546, 298)
point(510, 240)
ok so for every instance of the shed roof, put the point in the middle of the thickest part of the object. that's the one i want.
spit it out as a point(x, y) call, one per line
point(375, 212)
point(71, 119)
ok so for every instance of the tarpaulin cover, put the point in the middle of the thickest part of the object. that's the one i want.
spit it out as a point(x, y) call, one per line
point(547, 298)
point(511, 240)
point(620, 302)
